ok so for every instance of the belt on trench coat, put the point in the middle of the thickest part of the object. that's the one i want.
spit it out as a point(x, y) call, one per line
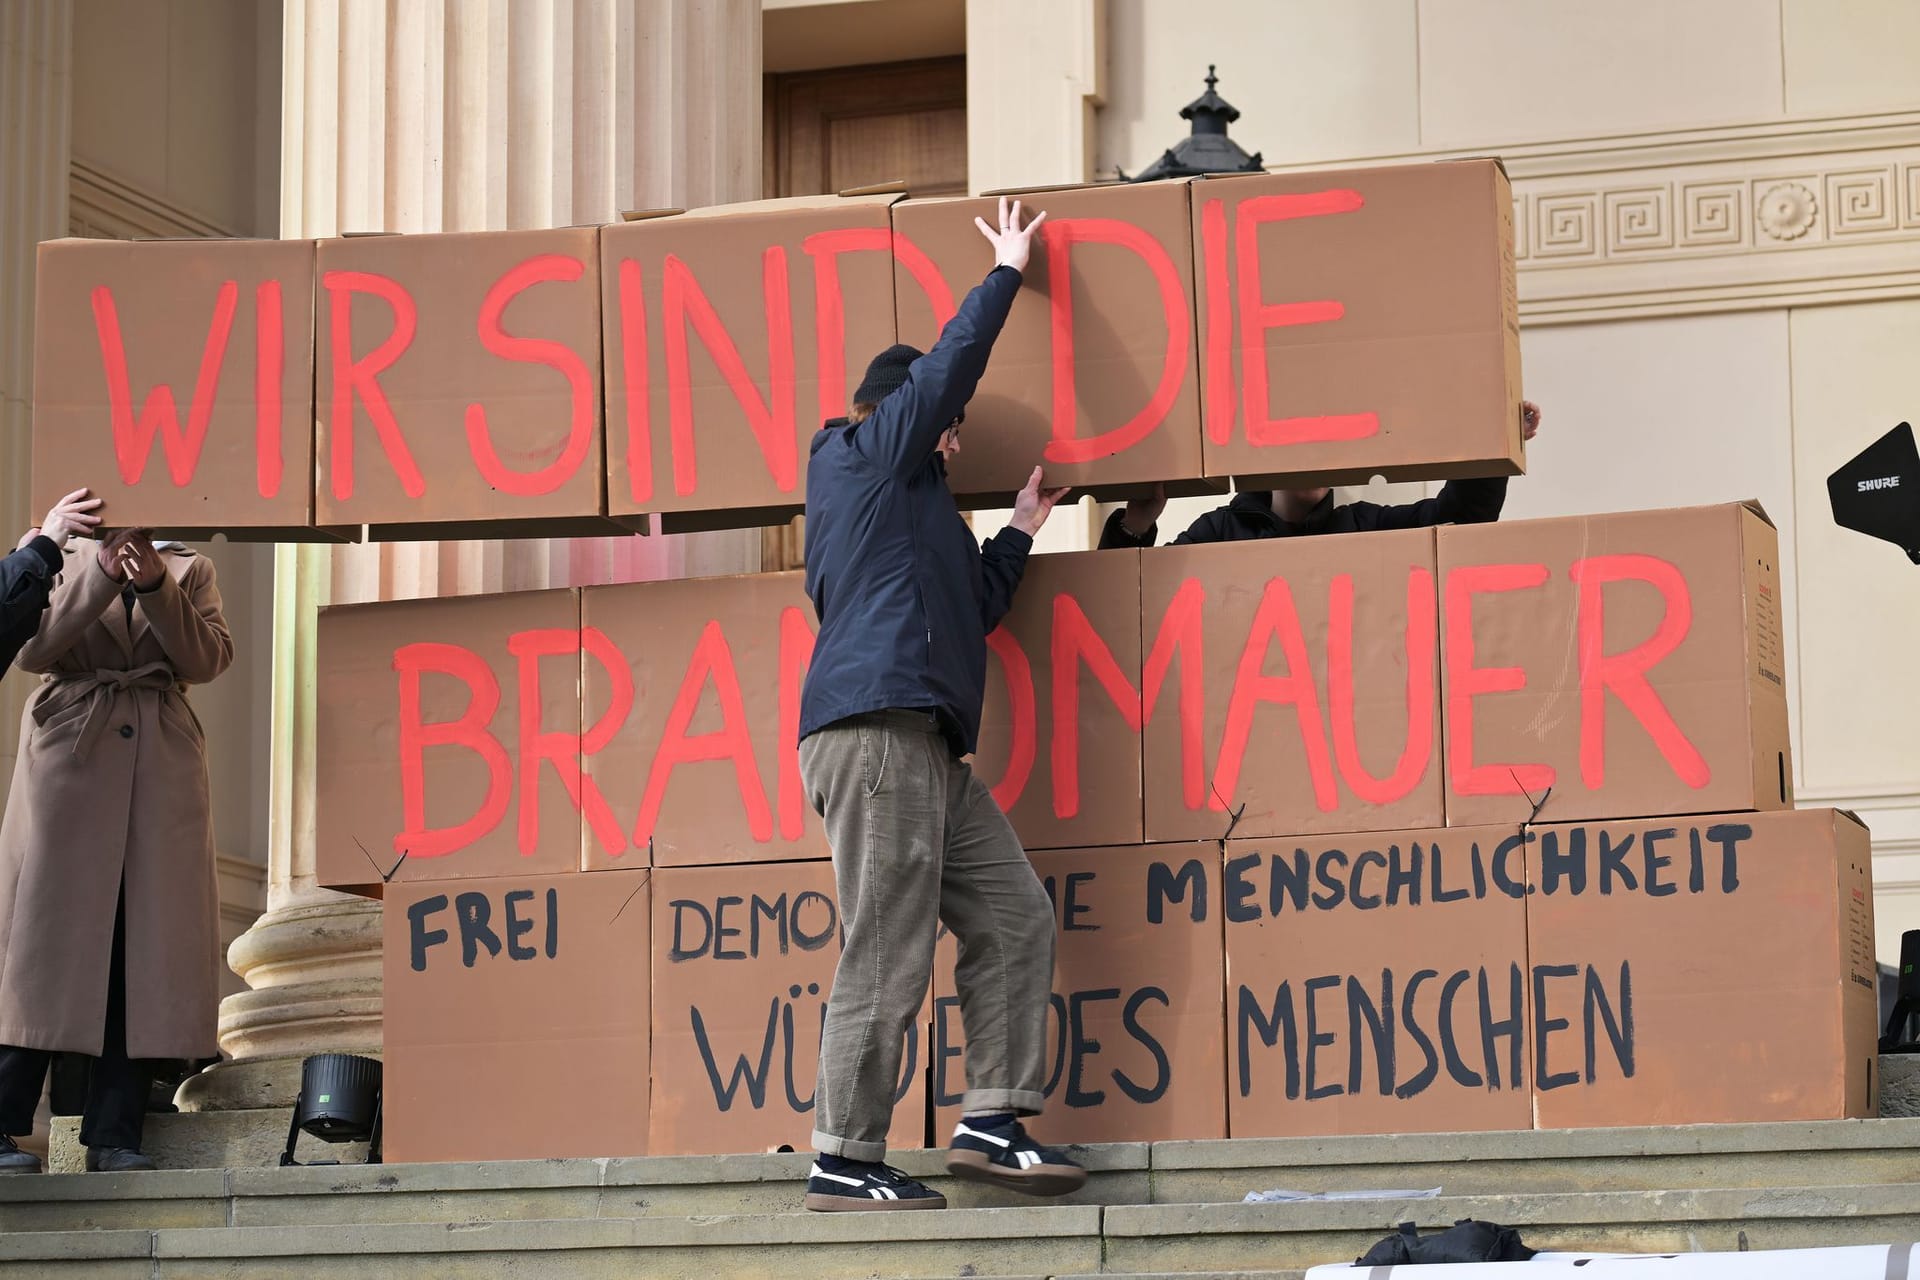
point(98, 690)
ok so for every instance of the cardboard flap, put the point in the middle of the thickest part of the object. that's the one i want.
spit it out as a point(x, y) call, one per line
point(1753, 505)
point(892, 186)
point(644, 215)
point(794, 204)
point(1058, 186)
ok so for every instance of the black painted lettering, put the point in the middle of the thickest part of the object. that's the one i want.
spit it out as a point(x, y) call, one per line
point(475, 914)
point(1449, 1043)
point(1289, 881)
point(1315, 1039)
point(1544, 1027)
point(1502, 880)
point(1511, 1028)
point(1619, 1028)
point(1366, 901)
point(1083, 1047)
point(419, 935)
point(1657, 862)
point(1728, 836)
point(823, 908)
point(1188, 885)
point(1240, 890)
point(1569, 864)
point(945, 1010)
point(1378, 1022)
point(1072, 909)
point(516, 927)
point(1334, 891)
point(1251, 1020)
point(722, 931)
point(1419, 1080)
point(1163, 1069)
point(724, 1093)
point(775, 914)
point(1403, 874)
point(1613, 862)
point(1437, 860)
point(682, 948)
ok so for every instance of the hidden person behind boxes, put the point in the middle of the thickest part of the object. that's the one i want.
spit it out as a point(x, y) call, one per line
point(109, 915)
point(1286, 513)
point(889, 712)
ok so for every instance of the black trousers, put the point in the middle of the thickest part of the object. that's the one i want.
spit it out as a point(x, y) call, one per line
point(117, 1087)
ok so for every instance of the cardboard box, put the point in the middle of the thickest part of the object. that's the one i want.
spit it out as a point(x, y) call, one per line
point(459, 384)
point(691, 721)
point(1094, 375)
point(1376, 983)
point(1060, 728)
point(1632, 663)
point(732, 334)
point(1296, 678)
point(1704, 970)
point(1136, 1042)
point(744, 965)
point(428, 765)
point(1357, 323)
point(516, 1018)
point(175, 379)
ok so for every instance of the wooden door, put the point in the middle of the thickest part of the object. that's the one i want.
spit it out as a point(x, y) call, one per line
point(851, 127)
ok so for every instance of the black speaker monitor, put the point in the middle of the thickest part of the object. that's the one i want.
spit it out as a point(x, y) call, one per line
point(1878, 493)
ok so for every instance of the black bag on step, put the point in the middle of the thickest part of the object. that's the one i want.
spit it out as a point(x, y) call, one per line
point(1464, 1241)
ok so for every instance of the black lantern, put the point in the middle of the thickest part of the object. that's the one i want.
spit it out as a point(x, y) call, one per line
point(339, 1102)
point(1207, 149)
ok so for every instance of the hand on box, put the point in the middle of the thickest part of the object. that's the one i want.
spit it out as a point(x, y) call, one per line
point(111, 554)
point(1034, 505)
point(75, 513)
point(1529, 419)
point(1012, 242)
point(1144, 513)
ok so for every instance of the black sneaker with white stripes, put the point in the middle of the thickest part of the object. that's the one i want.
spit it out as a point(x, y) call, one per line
point(853, 1186)
point(996, 1150)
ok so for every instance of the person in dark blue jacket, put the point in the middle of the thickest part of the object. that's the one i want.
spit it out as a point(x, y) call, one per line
point(888, 714)
point(1292, 513)
point(26, 580)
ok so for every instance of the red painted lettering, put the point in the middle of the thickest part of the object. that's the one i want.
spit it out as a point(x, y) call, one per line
point(595, 644)
point(1022, 729)
point(1625, 674)
point(1075, 641)
point(919, 266)
point(1417, 752)
point(712, 661)
point(541, 269)
point(133, 441)
point(1220, 405)
point(633, 369)
point(685, 306)
point(561, 748)
point(1465, 682)
point(1257, 316)
point(1060, 238)
point(269, 365)
point(1180, 635)
point(829, 306)
point(1276, 618)
point(796, 652)
point(360, 378)
point(469, 731)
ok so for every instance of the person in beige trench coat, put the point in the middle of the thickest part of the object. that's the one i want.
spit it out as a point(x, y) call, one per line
point(108, 835)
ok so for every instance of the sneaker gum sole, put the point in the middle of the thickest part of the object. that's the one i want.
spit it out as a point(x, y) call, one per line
point(1041, 1180)
point(858, 1204)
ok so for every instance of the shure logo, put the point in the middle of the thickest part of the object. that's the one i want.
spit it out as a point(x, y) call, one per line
point(1880, 482)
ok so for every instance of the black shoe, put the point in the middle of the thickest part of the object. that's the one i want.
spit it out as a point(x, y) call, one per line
point(14, 1160)
point(116, 1160)
point(997, 1151)
point(854, 1186)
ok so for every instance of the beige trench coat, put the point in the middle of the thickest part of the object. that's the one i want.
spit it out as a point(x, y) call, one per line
point(112, 781)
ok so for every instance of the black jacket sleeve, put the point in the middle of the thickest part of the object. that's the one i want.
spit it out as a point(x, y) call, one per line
point(1215, 526)
point(1114, 534)
point(26, 582)
point(1458, 502)
point(904, 430)
point(1003, 562)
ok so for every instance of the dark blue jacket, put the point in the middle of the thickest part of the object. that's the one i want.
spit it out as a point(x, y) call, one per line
point(26, 582)
point(904, 595)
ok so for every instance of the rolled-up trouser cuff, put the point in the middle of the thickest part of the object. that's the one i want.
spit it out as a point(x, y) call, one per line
point(1022, 1102)
point(848, 1149)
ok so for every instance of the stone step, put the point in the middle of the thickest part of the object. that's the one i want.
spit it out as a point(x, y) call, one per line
point(1858, 1153)
point(1055, 1241)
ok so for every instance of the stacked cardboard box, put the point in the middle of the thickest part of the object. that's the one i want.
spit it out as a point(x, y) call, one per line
point(1482, 827)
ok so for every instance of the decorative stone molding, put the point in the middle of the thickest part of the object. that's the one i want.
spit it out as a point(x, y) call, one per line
point(1751, 217)
point(103, 207)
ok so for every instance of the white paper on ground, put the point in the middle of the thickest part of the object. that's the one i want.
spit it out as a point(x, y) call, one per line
point(1280, 1195)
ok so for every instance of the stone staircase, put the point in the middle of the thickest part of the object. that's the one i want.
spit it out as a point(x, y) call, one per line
point(1164, 1209)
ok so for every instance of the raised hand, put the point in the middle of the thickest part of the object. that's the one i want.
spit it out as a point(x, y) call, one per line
point(1034, 505)
point(75, 513)
point(140, 562)
point(1143, 513)
point(1012, 242)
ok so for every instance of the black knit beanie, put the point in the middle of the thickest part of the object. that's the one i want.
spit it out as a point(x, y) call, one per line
point(886, 374)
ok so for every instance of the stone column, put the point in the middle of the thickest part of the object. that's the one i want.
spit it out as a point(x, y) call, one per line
point(36, 83)
point(444, 115)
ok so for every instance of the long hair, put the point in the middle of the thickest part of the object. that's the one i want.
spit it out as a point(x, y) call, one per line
point(860, 412)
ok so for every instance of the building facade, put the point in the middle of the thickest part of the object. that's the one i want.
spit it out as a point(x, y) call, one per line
point(1719, 270)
